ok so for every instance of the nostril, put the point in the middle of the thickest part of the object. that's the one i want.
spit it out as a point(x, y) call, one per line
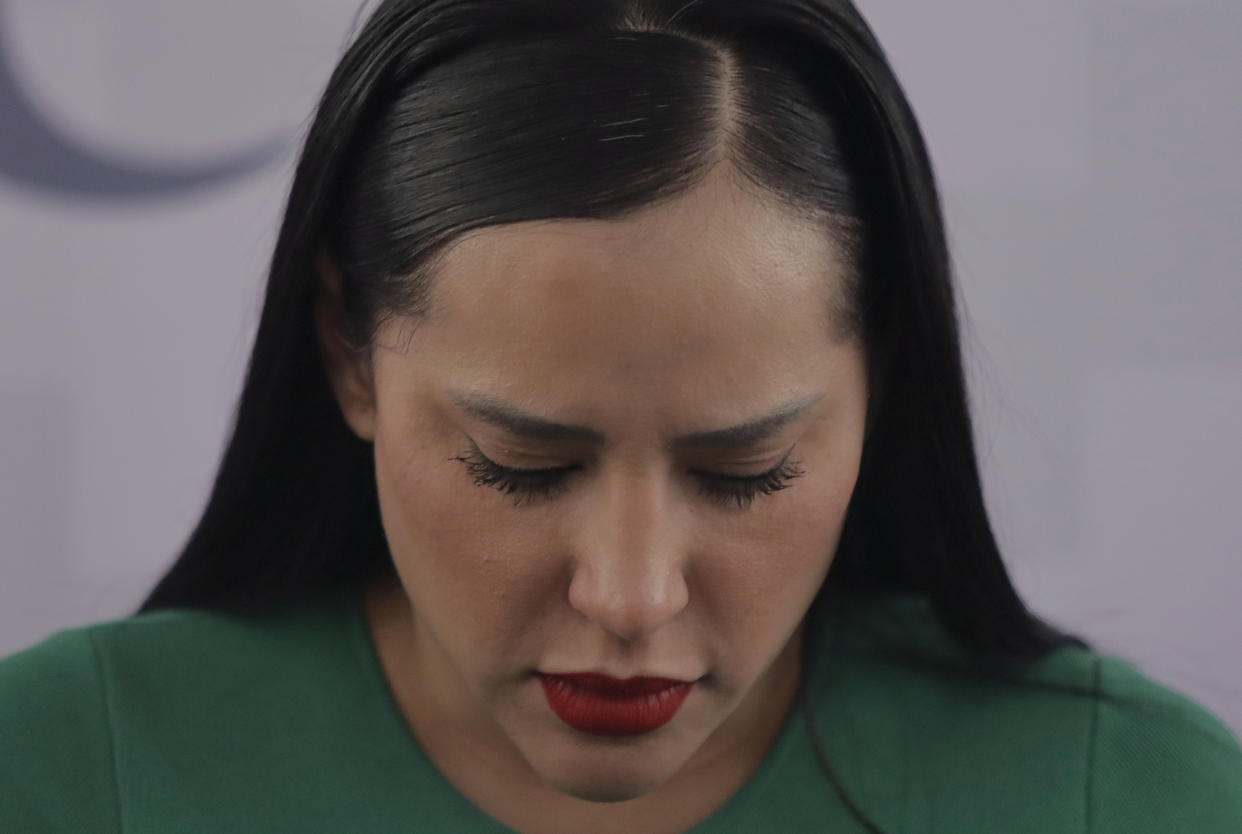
point(628, 604)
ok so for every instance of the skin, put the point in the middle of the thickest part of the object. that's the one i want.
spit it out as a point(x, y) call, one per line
point(699, 314)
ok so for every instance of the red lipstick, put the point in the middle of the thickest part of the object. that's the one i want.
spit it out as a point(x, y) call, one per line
point(607, 706)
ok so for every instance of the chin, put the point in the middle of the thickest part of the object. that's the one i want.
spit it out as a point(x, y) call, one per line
point(603, 774)
point(601, 788)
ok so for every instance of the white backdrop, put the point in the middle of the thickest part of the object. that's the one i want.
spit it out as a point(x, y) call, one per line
point(1088, 152)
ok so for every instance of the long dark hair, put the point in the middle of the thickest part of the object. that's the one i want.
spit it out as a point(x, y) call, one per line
point(449, 115)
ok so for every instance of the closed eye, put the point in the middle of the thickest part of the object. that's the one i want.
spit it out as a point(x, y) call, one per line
point(532, 484)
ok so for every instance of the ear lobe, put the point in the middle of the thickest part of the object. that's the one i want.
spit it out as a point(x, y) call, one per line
point(348, 369)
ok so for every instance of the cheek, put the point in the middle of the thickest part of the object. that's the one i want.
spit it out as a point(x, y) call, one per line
point(471, 574)
point(759, 575)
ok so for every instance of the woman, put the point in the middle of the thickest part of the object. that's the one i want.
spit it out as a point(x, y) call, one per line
point(603, 464)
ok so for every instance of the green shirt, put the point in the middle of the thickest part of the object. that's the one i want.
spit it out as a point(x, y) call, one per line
point(191, 721)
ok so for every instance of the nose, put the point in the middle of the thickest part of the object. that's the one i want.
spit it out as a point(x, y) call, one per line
point(629, 565)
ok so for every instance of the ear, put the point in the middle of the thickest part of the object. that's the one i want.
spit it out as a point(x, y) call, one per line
point(348, 369)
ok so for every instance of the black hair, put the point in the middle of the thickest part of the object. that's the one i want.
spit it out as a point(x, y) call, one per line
point(450, 115)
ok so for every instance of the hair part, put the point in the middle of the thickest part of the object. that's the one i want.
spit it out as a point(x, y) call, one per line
point(600, 126)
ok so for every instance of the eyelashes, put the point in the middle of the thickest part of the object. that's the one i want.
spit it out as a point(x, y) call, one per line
point(520, 483)
point(742, 489)
point(526, 485)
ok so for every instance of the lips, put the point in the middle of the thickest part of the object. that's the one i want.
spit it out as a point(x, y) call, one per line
point(606, 706)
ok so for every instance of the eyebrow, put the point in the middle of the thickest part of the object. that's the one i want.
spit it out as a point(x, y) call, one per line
point(498, 413)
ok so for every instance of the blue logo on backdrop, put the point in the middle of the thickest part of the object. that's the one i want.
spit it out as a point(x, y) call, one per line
point(34, 153)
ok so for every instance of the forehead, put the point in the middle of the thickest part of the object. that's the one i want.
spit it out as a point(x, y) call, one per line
point(716, 293)
point(715, 241)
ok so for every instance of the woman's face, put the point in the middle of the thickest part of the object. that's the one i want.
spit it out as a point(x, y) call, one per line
point(646, 367)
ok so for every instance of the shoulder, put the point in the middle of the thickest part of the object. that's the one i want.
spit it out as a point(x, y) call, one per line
point(1074, 741)
point(87, 711)
point(1160, 761)
point(56, 773)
